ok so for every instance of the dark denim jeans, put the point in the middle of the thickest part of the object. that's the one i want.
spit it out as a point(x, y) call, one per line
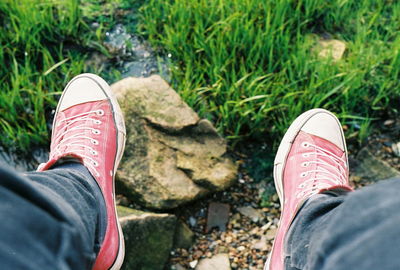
point(358, 230)
point(56, 220)
point(50, 220)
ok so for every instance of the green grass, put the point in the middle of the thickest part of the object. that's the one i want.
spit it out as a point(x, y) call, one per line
point(43, 44)
point(249, 65)
point(35, 62)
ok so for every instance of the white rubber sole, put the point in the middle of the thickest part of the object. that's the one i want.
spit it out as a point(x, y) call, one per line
point(120, 124)
point(283, 152)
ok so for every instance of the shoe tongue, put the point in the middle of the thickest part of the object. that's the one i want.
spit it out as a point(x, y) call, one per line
point(327, 145)
point(326, 157)
point(81, 107)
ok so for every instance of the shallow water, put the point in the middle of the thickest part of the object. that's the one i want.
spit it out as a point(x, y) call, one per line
point(134, 56)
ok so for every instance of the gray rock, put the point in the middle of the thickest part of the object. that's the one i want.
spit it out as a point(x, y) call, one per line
point(371, 168)
point(172, 156)
point(261, 244)
point(217, 262)
point(177, 267)
point(217, 216)
point(248, 211)
point(184, 237)
point(148, 238)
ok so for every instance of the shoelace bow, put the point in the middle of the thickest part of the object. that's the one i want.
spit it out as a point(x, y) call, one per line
point(65, 139)
point(337, 177)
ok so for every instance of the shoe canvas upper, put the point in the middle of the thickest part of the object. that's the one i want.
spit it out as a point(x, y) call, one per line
point(313, 165)
point(91, 130)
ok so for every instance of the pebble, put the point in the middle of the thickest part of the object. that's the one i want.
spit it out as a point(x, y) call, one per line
point(271, 233)
point(193, 263)
point(396, 149)
point(244, 241)
point(262, 244)
point(254, 214)
point(192, 221)
point(388, 122)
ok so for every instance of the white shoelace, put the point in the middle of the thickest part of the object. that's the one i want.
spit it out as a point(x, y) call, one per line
point(337, 177)
point(74, 140)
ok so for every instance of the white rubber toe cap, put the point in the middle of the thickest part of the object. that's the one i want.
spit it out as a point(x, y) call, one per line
point(325, 125)
point(80, 90)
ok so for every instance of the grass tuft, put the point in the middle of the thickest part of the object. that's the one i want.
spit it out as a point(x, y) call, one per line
point(43, 45)
point(250, 65)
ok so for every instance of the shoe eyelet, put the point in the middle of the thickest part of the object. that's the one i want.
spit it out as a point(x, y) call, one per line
point(94, 153)
point(100, 112)
point(304, 174)
point(96, 131)
point(95, 163)
point(305, 155)
point(97, 122)
point(95, 142)
point(305, 144)
point(304, 164)
point(301, 185)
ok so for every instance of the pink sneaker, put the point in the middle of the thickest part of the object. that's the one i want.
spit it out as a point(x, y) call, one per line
point(312, 158)
point(89, 126)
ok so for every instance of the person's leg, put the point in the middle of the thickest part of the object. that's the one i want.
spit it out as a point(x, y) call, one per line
point(64, 216)
point(51, 220)
point(311, 159)
point(359, 230)
point(311, 221)
point(89, 127)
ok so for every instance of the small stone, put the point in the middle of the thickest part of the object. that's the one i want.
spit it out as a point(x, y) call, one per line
point(331, 48)
point(178, 267)
point(228, 239)
point(193, 263)
point(262, 244)
point(271, 234)
point(218, 262)
point(266, 226)
point(388, 122)
point(197, 254)
point(222, 249)
point(241, 248)
point(396, 149)
point(218, 216)
point(254, 214)
point(192, 221)
point(275, 198)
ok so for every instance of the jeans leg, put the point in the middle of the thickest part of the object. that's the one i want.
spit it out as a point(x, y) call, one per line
point(50, 220)
point(359, 230)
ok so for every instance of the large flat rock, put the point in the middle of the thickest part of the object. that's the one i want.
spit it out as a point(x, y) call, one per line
point(172, 156)
point(371, 168)
point(148, 238)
